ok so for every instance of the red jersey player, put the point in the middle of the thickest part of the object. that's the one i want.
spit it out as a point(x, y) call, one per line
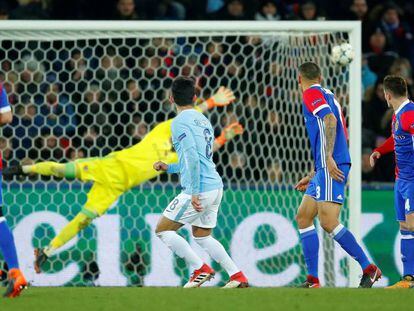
point(402, 143)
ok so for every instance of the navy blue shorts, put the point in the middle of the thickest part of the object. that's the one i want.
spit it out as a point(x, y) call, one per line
point(403, 198)
point(325, 189)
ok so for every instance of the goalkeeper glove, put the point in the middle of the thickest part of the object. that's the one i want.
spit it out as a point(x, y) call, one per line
point(222, 97)
point(229, 132)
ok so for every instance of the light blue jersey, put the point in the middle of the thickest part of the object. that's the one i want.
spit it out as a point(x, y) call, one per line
point(193, 139)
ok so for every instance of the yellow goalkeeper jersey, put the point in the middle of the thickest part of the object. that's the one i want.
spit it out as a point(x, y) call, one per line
point(137, 161)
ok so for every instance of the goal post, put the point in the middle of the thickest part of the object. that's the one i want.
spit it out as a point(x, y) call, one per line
point(110, 78)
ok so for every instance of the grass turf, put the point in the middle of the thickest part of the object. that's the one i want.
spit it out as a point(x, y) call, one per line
point(211, 299)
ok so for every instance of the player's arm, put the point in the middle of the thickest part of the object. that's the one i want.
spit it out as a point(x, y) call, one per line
point(303, 184)
point(228, 133)
point(6, 115)
point(316, 103)
point(222, 97)
point(387, 147)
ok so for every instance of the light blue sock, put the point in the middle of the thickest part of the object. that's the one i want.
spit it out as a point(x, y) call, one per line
point(407, 252)
point(310, 247)
point(347, 241)
point(7, 247)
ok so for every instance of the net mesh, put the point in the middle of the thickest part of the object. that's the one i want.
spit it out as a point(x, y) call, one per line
point(85, 98)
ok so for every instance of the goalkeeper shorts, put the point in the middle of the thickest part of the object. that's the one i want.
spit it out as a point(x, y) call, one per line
point(108, 179)
point(180, 209)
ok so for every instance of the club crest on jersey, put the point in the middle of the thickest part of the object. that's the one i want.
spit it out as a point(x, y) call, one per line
point(396, 124)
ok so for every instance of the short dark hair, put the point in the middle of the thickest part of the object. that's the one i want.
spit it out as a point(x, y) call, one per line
point(310, 71)
point(183, 91)
point(395, 85)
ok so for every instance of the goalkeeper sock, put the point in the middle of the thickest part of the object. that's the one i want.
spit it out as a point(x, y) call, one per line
point(216, 251)
point(310, 247)
point(181, 248)
point(7, 246)
point(347, 241)
point(407, 252)
point(67, 170)
point(80, 222)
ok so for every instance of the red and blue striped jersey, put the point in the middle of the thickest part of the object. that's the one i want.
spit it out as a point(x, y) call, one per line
point(403, 134)
point(317, 103)
point(4, 107)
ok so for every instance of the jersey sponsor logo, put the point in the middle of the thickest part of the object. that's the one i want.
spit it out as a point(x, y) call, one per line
point(181, 137)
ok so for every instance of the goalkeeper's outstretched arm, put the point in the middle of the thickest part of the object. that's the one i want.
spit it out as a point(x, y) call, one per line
point(222, 97)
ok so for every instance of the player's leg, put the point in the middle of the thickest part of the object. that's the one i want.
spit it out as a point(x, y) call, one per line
point(202, 227)
point(17, 282)
point(178, 213)
point(100, 198)
point(62, 170)
point(404, 195)
point(329, 207)
point(305, 216)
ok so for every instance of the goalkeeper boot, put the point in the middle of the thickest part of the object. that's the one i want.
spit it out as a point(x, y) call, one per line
point(17, 283)
point(40, 259)
point(237, 280)
point(199, 276)
point(311, 282)
point(13, 170)
point(406, 282)
point(371, 274)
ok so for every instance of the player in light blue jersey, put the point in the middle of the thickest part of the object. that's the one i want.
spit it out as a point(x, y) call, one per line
point(202, 190)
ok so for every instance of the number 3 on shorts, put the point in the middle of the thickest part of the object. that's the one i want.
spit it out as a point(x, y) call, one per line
point(318, 192)
point(173, 205)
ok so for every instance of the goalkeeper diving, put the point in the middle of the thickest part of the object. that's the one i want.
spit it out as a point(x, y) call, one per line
point(117, 172)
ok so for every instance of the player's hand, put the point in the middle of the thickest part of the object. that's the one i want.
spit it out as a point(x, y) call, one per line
point(303, 184)
point(232, 130)
point(333, 169)
point(195, 201)
point(222, 97)
point(160, 166)
point(374, 157)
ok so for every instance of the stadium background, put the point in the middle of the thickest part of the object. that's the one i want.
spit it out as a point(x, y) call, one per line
point(44, 126)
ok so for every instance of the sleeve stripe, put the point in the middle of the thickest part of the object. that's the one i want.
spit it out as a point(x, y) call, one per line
point(320, 108)
point(5, 109)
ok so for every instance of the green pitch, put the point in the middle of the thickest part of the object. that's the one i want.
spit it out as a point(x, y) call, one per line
point(209, 299)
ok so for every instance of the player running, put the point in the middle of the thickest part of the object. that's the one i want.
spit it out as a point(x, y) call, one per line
point(117, 173)
point(402, 143)
point(16, 280)
point(325, 187)
point(202, 190)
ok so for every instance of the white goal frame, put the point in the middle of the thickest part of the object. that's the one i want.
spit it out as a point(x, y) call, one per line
point(37, 30)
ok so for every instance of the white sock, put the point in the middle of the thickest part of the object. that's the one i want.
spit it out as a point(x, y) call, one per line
point(181, 248)
point(218, 253)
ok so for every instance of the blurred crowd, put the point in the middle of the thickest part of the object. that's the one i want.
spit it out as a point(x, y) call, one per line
point(112, 91)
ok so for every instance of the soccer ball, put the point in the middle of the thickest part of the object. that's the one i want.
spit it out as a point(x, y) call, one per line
point(342, 54)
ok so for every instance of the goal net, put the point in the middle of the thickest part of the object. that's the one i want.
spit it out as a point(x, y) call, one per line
point(85, 92)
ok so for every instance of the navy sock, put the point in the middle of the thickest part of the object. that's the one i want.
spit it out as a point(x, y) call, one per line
point(7, 247)
point(310, 247)
point(407, 252)
point(347, 241)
